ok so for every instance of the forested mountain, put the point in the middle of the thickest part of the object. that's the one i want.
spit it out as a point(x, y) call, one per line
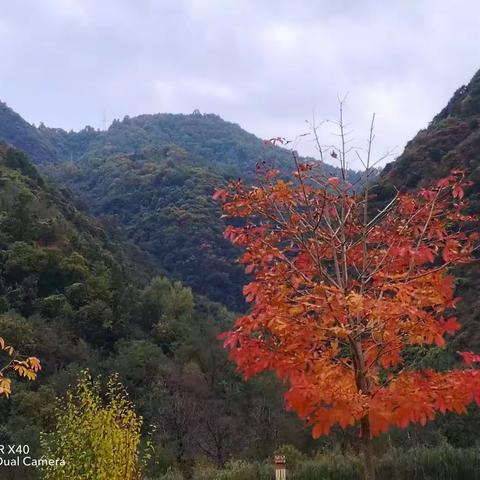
point(451, 141)
point(154, 175)
point(77, 298)
point(161, 198)
point(63, 288)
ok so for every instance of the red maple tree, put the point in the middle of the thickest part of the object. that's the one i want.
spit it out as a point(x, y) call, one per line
point(341, 296)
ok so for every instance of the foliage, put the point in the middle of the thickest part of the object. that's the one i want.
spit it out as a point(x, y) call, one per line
point(237, 470)
point(442, 463)
point(292, 455)
point(338, 298)
point(153, 175)
point(77, 295)
point(26, 367)
point(96, 440)
point(161, 198)
point(341, 297)
point(172, 475)
point(16, 131)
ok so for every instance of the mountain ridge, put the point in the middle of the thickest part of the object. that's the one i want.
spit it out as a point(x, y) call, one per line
point(157, 129)
point(200, 152)
point(451, 141)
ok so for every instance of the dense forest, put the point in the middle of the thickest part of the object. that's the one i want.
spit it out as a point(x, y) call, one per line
point(112, 258)
point(154, 176)
point(452, 140)
point(78, 298)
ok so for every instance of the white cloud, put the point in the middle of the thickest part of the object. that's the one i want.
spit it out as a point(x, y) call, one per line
point(280, 38)
point(69, 10)
point(265, 65)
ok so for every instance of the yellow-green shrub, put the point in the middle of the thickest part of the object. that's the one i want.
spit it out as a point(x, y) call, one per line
point(99, 440)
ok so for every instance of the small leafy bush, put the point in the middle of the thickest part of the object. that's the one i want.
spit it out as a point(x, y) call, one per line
point(98, 440)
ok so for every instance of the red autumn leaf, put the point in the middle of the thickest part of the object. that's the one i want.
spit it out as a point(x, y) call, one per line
point(229, 233)
point(334, 181)
point(250, 291)
point(428, 194)
point(250, 268)
point(469, 358)
point(271, 174)
point(451, 325)
point(304, 167)
point(457, 192)
point(443, 183)
point(221, 194)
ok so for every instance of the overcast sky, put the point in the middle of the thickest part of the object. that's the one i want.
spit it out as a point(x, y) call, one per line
point(268, 65)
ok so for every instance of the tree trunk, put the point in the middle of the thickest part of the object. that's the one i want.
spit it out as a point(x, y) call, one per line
point(368, 465)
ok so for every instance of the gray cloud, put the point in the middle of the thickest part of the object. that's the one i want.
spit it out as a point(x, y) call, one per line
point(267, 65)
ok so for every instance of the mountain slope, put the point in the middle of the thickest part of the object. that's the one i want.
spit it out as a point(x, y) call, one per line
point(65, 292)
point(452, 140)
point(16, 131)
point(153, 176)
point(161, 199)
point(78, 298)
point(224, 145)
point(53, 253)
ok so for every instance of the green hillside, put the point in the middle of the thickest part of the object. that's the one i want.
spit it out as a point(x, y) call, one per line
point(19, 133)
point(153, 176)
point(451, 141)
point(77, 297)
point(161, 198)
point(64, 289)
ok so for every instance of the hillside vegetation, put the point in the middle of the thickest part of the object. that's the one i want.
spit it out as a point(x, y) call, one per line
point(451, 141)
point(153, 176)
point(112, 258)
point(77, 297)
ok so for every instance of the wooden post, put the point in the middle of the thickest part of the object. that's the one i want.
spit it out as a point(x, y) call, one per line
point(280, 467)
